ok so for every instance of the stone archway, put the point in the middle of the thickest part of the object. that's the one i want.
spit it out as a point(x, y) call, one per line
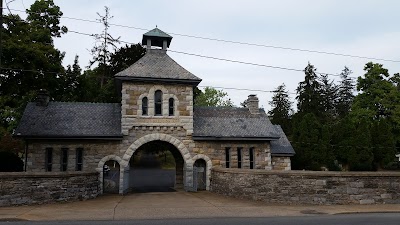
point(188, 162)
point(100, 166)
point(208, 167)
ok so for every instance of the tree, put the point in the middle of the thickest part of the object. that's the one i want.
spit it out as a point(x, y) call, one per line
point(281, 108)
point(328, 96)
point(30, 61)
point(360, 157)
point(105, 44)
point(44, 18)
point(383, 143)
point(373, 102)
point(90, 89)
point(309, 93)
point(125, 56)
point(213, 97)
point(71, 80)
point(345, 93)
point(307, 141)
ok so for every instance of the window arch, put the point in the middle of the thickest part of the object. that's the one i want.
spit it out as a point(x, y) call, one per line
point(158, 103)
point(145, 106)
point(171, 105)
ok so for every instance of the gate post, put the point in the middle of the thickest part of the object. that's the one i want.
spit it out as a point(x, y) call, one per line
point(124, 180)
point(188, 177)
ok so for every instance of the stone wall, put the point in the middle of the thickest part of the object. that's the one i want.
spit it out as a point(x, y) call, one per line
point(93, 152)
point(37, 188)
point(308, 187)
point(281, 163)
point(215, 150)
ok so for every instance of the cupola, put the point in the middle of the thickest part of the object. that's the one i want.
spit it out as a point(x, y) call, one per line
point(158, 38)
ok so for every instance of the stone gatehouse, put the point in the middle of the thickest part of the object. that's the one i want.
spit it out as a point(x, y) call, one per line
point(156, 108)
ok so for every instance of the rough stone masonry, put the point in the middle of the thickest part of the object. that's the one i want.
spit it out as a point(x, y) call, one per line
point(308, 187)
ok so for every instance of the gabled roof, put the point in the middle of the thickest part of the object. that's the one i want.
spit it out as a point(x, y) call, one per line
point(156, 65)
point(281, 146)
point(230, 123)
point(80, 120)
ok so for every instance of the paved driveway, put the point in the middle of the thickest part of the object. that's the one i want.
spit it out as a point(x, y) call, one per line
point(172, 205)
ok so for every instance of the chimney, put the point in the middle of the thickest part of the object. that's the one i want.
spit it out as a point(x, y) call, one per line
point(43, 98)
point(252, 104)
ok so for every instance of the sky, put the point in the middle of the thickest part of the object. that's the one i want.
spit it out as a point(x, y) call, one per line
point(368, 28)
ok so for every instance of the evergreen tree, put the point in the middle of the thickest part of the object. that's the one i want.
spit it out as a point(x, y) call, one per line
point(328, 98)
point(345, 93)
point(281, 108)
point(307, 141)
point(71, 80)
point(361, 157)
point(383, 143)
point(309, 93)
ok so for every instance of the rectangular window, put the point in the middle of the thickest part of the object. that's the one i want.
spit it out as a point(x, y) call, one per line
point(251, 156)
point(171, 106)
point(64, 159)
point(227, 156)
point(239, 157)
point(79, 159)
point(158, 103)
point(49, 159)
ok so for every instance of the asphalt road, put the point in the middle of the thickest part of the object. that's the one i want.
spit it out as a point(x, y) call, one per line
point(343, 219)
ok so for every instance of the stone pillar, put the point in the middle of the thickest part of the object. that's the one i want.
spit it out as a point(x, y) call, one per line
point(148, 45)
point(124, 180)
point(165, 45)
point(188, 177)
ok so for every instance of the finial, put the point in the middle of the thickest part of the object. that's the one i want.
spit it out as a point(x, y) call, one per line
point(156, 25)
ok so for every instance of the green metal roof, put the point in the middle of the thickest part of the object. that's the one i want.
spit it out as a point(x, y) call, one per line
point(157, 33)
point(157, 37)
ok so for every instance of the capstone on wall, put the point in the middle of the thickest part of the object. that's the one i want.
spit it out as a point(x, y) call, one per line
point(308, 187)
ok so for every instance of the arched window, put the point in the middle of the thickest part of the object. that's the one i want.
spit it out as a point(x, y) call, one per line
point(171, 106)
point(158, 103)
point(145, 106)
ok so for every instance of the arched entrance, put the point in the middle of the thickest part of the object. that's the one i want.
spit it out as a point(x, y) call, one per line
point(156, 166)
point(111, 175)
point(187, 171)
point(199, 175)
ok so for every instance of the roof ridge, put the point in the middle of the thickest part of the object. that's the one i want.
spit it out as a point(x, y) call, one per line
point(98, 103)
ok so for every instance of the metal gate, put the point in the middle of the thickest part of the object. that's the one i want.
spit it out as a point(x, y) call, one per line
point(111, 178)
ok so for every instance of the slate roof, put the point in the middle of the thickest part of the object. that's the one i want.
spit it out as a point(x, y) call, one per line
point(156, 65)
point(71, 120)
point(281, 146)
point(230, 123)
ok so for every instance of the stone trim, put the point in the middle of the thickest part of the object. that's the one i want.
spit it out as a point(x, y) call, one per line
point(209, 167)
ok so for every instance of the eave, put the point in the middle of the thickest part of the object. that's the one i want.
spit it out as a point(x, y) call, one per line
point(215, 138)
point(158, 80)
point(65, 137)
